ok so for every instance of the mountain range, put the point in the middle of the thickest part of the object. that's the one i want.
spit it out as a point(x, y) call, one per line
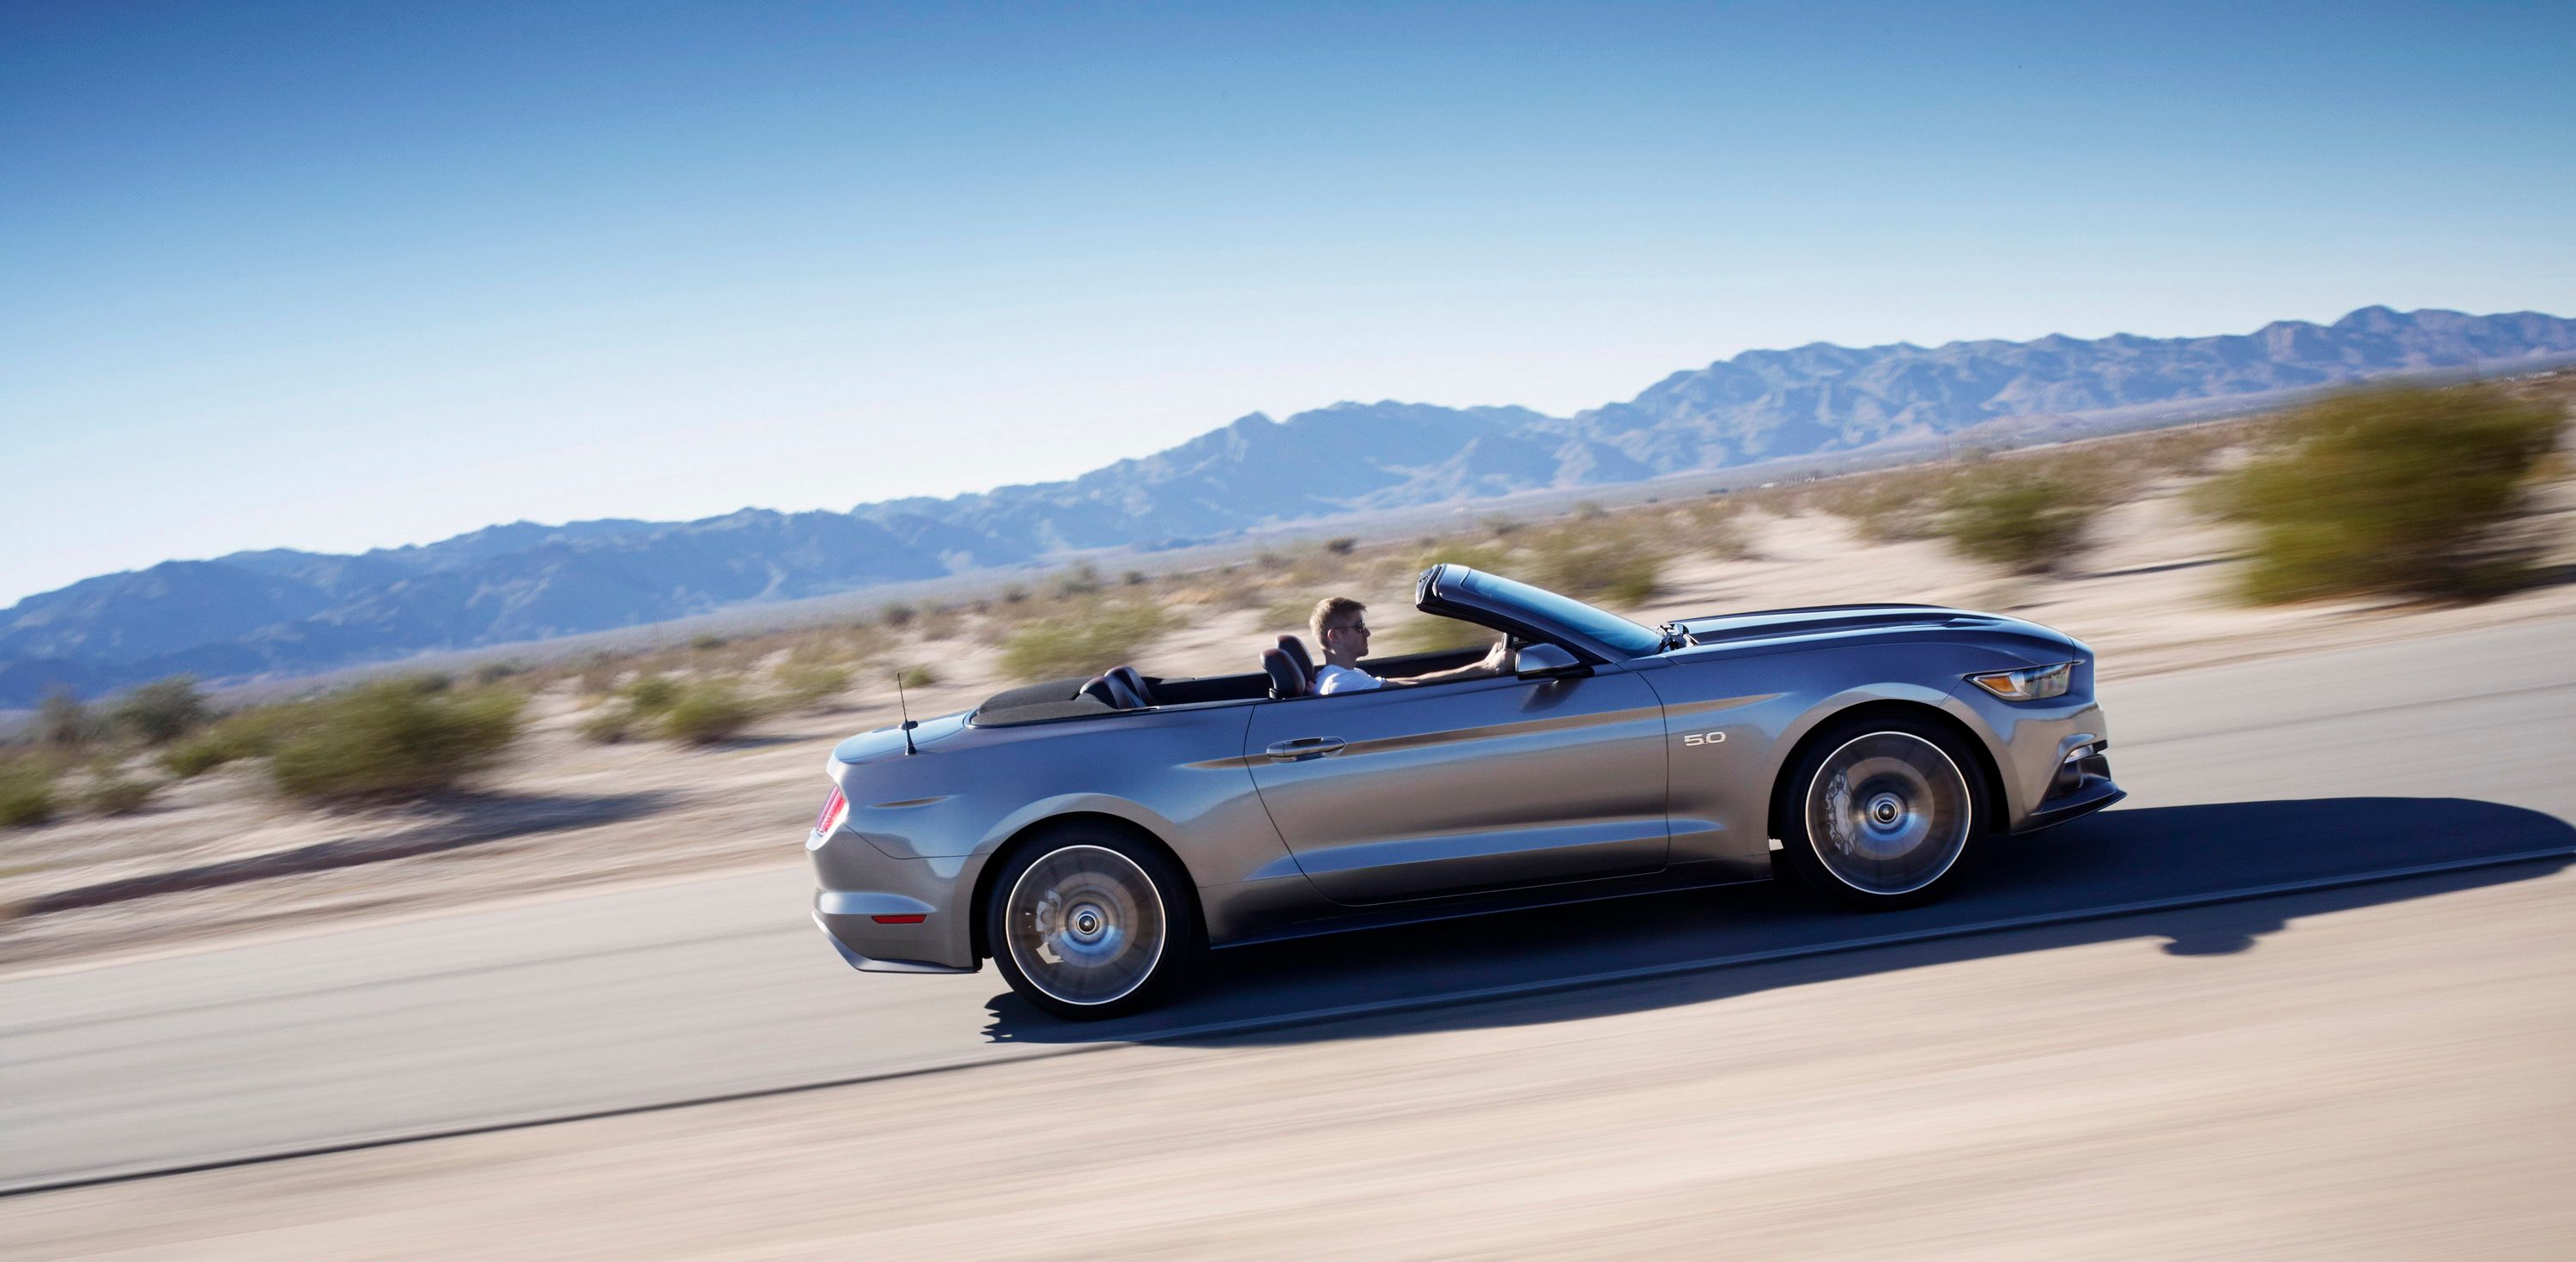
point(284, 612)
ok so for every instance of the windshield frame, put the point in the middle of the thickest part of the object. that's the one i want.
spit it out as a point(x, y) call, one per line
point(1455, 590)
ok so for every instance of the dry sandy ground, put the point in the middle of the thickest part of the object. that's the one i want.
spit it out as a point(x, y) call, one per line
point(2385, 1082)
point(569, 815)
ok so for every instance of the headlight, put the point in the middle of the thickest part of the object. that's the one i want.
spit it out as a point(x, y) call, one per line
point(2031, 683)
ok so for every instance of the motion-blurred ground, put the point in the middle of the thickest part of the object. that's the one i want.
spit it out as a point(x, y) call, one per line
point(2372, 1070)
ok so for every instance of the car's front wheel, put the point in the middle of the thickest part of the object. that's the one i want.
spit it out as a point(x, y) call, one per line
point(1090, 923)
point(1881, 813)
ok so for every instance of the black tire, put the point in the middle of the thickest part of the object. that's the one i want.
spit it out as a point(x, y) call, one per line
point(1901, 806)
point(1086, 923)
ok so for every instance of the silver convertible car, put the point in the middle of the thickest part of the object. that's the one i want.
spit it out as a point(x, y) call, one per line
point(1095, 837)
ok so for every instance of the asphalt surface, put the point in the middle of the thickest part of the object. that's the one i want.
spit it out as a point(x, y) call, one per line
point(2298, 772)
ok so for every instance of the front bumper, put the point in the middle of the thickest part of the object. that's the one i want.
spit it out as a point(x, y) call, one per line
point(2081, 786)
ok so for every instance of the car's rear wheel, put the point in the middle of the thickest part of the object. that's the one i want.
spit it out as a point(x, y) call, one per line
point(1881, 813)
point(1088, 923)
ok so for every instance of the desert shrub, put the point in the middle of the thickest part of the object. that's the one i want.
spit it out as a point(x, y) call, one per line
point(1713, 528)
point(806, 683)
point(1289, 613)
point(114, 794)
point(1779, 501)
point(2106, 474)
point(1887, 507)
point(1341, 545)
point(608, 724)
point(1135, 578)
point(490, 673)
point(2022, 519)
point(1491, 558)
point(1081, 642)
point(708, 712)
point(2190, 449)
point(1423, 633)
point(1076, 580)
point(255, 732)
point(26, 794)
point(162, 711)
point(654, 694)
point(63, 724)
point(897, 616)
point(2405, 491)
point(192, 758)
point(917, 676)
point(598, 675)
point(1597, 558)
point(393, 739)
point(708, 641)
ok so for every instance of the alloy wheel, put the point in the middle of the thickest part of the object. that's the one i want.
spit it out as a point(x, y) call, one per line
point(1085, 925)
point(1888, 813)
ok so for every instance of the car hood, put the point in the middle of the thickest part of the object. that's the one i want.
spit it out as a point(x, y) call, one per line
point(1835, 621)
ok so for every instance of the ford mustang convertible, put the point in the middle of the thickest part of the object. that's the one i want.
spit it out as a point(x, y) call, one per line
point(1093, 837)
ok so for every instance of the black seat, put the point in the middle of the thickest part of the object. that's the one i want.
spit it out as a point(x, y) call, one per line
point(1287, 678)
point(1296, 651)
point(1119, 688)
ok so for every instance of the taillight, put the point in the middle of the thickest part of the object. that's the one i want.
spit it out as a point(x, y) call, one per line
point(836, 809)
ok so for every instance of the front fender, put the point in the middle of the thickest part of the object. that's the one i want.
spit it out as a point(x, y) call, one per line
point(2022, 741)
point(1795, 734)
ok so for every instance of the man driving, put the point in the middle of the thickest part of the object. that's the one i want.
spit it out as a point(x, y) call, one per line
point(1341, 630)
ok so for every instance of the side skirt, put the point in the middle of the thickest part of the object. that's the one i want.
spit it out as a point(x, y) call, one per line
point(1681, 876)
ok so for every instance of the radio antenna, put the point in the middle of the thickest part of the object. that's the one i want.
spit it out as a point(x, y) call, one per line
point(906, 707)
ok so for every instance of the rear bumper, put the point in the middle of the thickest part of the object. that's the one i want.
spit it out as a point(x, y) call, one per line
point(889, 915)
point(838, 929)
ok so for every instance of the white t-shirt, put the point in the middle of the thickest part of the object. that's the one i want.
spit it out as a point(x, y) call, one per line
point(1332, 679)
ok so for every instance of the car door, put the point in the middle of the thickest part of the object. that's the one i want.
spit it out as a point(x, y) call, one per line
point(1401, 793)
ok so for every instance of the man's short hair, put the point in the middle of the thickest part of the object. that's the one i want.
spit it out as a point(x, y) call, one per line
point(1330, 609)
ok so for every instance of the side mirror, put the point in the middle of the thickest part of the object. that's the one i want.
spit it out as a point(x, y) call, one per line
point(1547, 661)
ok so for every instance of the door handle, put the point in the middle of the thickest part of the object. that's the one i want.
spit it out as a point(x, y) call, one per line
point(1304, 747)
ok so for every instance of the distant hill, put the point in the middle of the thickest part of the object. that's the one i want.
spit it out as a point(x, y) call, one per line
point(287, 612)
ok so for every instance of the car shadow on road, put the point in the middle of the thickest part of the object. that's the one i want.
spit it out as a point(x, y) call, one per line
point(2116, 859)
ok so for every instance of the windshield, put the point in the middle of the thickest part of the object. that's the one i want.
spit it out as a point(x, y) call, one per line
point(1608, 628)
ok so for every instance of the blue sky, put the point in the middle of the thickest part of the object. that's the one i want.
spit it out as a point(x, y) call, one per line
point(339, 275)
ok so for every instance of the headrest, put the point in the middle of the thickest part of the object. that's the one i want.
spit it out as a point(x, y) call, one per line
point(1286, 680)
point(1127, 688)
point(1097, 688)
point(1296, 651)
point(1119, 688)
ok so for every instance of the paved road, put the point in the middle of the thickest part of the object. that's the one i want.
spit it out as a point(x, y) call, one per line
point(2290, 770)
